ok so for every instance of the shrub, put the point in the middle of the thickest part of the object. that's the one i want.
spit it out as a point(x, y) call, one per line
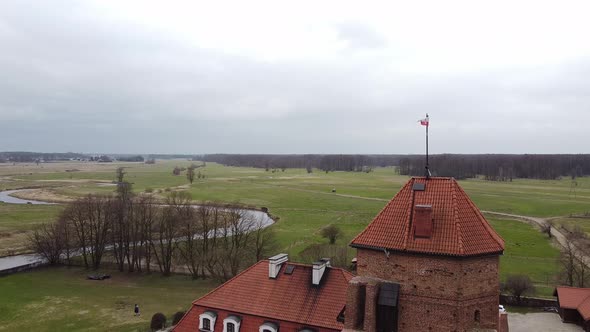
point(158, 321)
point(331, 232)
point(177, 317)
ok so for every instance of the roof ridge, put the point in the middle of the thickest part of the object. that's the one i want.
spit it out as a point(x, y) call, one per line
point(408, 225)
point(484, 221)
point(456, 217)
point(230, 280)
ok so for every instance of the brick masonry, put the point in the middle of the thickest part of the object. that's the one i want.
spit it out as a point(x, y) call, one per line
point(437, 293)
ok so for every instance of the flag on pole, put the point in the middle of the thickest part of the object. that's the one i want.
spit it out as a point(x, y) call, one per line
point(425, 121)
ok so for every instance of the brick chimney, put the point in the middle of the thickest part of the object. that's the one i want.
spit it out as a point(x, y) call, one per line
point(274, 264)
point(423, 221)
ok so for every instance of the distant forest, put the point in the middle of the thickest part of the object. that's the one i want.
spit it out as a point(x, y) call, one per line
point(493, 167)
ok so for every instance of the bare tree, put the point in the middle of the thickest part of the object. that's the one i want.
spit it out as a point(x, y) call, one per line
point(90, 219)
point(518, 285)
point(167, 229)
point(46, 240)
point(574, 264)
point(263, 240)
point(145, 215)
point(190, 231)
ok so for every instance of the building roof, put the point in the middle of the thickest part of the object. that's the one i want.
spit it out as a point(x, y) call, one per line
point(458, 228)
point(574, 298)
point(289, 297)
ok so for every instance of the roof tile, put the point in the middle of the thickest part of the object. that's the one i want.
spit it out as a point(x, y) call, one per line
point(459, 228)
point(289, 297)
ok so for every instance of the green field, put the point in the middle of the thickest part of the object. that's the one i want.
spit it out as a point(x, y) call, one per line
point(528, 252)
point(302, 203)
point(61, 299)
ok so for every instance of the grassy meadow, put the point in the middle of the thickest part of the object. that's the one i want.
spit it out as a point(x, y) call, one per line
point(62, 299)
point(302, 204)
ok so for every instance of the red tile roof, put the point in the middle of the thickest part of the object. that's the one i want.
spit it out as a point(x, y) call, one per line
point(575, 298)
point(289, 297)
point(459, 228)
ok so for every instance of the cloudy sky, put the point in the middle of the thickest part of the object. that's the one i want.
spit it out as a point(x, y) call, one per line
point(297, 77)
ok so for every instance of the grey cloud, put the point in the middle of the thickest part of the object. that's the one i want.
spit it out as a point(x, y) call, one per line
point(73, 81)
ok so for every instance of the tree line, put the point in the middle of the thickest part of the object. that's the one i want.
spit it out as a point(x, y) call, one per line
point(22, 156)
point(499, 167)
point(138, 233)
point(494, 167)
point(327, 163)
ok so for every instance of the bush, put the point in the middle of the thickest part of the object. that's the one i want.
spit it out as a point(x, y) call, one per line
point(331, 232)
point(158, 321)
point(149, 190)
point(177, 317)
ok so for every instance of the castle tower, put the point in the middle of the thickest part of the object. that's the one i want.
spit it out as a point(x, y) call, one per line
point(427, 262)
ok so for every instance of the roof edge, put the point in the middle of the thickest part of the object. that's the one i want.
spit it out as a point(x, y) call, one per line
point(415, 252)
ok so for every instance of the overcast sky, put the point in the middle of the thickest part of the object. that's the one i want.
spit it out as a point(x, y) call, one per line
point(303, 77)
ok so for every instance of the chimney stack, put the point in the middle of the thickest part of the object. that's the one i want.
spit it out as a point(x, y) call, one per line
point(274, 264)
point(423, 221)
point(319, 268)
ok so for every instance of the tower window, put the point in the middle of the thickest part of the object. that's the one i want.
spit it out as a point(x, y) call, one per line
point(476, 316)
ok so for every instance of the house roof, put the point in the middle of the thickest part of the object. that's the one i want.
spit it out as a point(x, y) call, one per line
point(574, 298)
point(289, 297)
point(459, 228)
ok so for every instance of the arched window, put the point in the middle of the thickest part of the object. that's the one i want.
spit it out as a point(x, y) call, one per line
point(268, 327)
point(232, 324)
point(476, 316)
point(207, 321)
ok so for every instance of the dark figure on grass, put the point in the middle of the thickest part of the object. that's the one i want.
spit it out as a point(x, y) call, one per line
point(136, 310)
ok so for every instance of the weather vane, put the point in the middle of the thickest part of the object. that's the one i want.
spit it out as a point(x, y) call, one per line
point(426, 122)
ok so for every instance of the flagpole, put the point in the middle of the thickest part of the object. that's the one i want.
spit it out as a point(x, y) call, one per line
point(427, 125)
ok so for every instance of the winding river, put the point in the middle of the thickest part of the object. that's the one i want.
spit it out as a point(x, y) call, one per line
point(5, 196)
point(15, 262)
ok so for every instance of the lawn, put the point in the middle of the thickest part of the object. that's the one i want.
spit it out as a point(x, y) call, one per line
point(61, 299)
point(17, 219)
point(528, 252)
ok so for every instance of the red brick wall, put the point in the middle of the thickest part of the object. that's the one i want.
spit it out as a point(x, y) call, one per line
point(437, 292)
point(249, 323)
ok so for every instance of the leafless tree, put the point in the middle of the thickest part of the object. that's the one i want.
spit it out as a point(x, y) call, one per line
point(90, 218)
point(165, 244)
point(263, 240)
point(573, 259)
point(46, 240)
point(518, 285)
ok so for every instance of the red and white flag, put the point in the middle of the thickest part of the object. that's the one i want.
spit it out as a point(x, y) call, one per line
point(425, 121)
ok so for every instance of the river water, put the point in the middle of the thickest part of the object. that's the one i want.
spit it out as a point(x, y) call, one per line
point(6, 198)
